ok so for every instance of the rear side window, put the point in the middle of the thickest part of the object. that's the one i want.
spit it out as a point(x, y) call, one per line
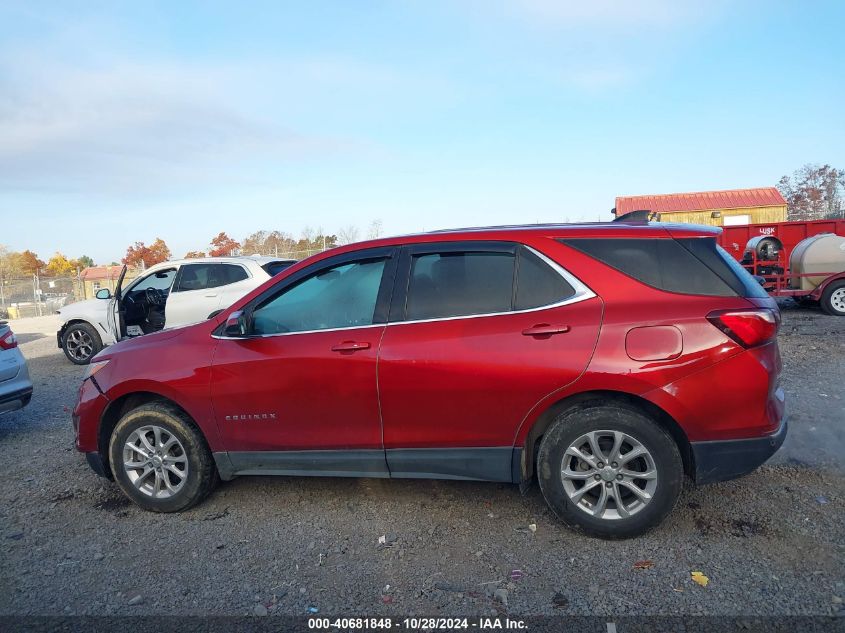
point(537, 283)
point(693, 266)
point(232, 273)
point(203, 276)
point(459, 284)
point(274, 268)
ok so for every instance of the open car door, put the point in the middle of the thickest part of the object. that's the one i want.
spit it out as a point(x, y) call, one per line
point(116, 320)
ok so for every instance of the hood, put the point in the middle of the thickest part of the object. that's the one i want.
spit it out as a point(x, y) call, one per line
point(90, 309)
point(141, 342)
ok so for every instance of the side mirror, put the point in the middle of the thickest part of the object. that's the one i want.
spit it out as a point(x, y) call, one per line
point(236, 325)
point(760, 280)
point(103, 293)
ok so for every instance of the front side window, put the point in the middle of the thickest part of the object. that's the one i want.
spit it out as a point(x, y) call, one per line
point(160, 280)
point(459, 284)
point(338, 297)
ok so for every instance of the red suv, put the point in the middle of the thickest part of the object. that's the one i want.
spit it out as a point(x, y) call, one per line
point(609, 360)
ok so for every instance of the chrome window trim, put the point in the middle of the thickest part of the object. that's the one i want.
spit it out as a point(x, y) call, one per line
point(582, 293)
point(328, 329)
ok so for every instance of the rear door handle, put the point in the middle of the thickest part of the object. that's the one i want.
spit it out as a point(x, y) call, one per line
point(545, 330)
point(211, 294)
point(350, 346)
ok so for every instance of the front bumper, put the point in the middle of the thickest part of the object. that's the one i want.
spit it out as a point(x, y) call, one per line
point(95, 461)
point(722, 460)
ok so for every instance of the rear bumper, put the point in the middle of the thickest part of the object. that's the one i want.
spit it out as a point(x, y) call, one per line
point(15, 400)
point(722, 460)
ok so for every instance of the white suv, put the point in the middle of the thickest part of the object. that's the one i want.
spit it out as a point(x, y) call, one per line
point(169, 295)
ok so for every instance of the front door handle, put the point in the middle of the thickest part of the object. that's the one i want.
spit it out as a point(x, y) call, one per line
point(211, 294)
point(350, 346)
point(545, 330)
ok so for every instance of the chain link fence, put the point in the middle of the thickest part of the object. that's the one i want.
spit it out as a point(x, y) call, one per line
point(285, 253)
point(36, 296)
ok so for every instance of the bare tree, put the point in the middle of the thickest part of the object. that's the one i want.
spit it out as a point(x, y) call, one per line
point(375, 230)
point(347, 234)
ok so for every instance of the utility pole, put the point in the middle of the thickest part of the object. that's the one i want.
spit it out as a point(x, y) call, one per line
point(35, 294)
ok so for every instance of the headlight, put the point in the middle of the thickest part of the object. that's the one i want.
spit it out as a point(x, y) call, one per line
point(93, 368)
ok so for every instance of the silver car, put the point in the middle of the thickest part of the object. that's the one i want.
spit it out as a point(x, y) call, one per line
point(15, 385)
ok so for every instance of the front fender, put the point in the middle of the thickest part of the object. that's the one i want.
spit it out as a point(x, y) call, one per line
point(192, 399)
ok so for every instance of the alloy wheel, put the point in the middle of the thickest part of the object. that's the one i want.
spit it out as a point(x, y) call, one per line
point(609, 474)
point(79, 345)
point(155, 462)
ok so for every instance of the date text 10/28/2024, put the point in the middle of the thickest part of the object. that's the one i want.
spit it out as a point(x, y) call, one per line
point(413, 624)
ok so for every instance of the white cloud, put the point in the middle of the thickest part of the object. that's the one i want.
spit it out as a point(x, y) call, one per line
point(132, 127)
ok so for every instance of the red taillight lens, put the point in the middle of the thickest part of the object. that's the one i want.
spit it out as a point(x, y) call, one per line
point(8, 340)
point(749, 328)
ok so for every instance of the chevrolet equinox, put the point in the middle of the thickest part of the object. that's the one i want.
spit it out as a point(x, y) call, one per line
point(609, 361)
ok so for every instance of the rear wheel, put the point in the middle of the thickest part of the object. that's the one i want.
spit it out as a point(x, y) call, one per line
point(81, 342)
point(833, 298)
point(160, 459)
point(609, 471)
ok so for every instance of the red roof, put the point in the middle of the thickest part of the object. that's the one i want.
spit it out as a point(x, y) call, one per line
point(701, 200)
point(100, 272)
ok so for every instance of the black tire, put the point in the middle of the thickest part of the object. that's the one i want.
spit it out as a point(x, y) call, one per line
point(76, 353)
point(834, 305)
point(575, 423)
point(201, 477)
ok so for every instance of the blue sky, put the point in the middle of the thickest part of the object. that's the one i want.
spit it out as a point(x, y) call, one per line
point(124, 121)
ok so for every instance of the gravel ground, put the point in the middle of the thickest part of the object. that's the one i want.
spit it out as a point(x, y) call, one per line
point(772, 543)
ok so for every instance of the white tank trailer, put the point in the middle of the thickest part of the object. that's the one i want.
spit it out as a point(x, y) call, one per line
point(824, 253)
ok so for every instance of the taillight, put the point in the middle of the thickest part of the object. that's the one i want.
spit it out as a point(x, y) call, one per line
point(8, 340)
point(749, 328)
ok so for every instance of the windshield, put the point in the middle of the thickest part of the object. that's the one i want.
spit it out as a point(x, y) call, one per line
point(159, 280)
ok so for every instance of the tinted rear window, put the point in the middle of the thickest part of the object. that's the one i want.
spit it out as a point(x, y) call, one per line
point(537, 283)
point(233, 273)
point(274, 268)
point(694, 266)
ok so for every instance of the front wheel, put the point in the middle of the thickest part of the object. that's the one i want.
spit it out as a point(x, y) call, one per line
point(81, 342)
point(833, 298)
point(609, 471)
point(160, 459)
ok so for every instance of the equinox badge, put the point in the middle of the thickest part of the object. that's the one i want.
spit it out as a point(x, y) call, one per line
point(250, 416)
